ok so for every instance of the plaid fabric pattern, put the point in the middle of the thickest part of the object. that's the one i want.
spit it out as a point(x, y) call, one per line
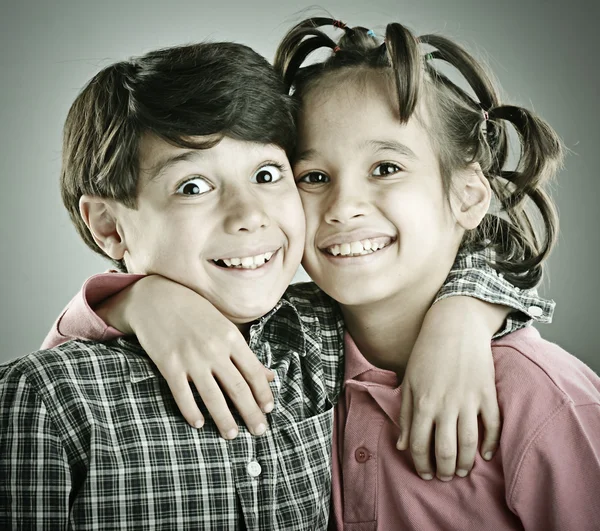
point(472, 276)
point(90, 437)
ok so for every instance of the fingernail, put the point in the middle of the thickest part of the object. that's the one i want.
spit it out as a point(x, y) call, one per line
point(426, 477)
point(260, 429)
point(462, 473)
point(231, 434)
point(488, 455)
point(269, 407)
point(445, 478)
point(198, 424)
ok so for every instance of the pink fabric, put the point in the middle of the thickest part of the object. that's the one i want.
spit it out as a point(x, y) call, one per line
point(545, 476)
point(78, 319)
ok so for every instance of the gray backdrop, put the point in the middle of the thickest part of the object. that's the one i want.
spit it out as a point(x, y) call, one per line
point(544, 53)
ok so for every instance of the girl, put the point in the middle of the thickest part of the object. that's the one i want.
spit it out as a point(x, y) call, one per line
point(396, 167)
point(446, 395)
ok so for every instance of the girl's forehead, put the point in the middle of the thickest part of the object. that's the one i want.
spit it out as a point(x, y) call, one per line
point(350, 106)
point(352, 81)
point(352, 94)
point(349, 121)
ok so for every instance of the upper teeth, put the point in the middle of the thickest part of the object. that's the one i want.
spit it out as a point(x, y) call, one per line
point(247, 262)
point(358, 248)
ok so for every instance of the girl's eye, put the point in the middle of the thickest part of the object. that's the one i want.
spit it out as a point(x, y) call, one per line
point(314, 177)
point(268, 174)
point(386, 168)
point(195, 186)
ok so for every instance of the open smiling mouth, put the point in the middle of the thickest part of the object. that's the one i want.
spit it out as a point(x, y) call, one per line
point(247, 262)
point(359, 247)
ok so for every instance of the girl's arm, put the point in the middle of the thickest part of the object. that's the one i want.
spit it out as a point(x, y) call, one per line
point(78, 319)
point(184, 335)
point(449, 379)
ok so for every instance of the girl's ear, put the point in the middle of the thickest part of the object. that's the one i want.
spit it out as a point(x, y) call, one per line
point(99, 216)
point(471, 196)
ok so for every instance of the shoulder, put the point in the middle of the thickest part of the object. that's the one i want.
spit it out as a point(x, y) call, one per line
point(534, 367)
point(544, 394)
point(76, 364)
point(550, 403)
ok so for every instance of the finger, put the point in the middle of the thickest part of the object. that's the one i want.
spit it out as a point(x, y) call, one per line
point(184, 398)
point(237, 389)
point(215, 403)
point(406, 414)
point(468, 435)
point(492, 427)
point(421, 434)
point(445, 448)
point(270, 376)
point(253, 371)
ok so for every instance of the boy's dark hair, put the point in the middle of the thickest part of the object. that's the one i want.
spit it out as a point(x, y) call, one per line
point(465, 129)
point(220, 88)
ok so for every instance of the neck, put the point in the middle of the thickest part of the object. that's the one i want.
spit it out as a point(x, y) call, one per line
point(385, 331)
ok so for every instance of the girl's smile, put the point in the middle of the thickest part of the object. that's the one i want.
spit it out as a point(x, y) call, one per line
point(357, 243)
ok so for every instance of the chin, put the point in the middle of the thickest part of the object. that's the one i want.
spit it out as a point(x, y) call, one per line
point(247, 311)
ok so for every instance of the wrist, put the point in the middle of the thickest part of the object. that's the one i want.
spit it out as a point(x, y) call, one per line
point(121, 310)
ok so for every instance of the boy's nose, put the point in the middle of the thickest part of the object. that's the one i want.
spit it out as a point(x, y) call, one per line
point(245, 214)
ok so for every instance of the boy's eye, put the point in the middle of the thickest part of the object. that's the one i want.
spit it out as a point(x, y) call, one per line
point(268, 174)
point(194, 186)
point(314, 177)
point(386, 168)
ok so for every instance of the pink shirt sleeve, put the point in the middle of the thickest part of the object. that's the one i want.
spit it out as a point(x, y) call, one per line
point(566, 453)
point(78, 319)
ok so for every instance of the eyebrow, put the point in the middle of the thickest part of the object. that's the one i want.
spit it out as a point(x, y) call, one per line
point(391, 145)
point(307, 154)
point(160, 168)
point(377, 145)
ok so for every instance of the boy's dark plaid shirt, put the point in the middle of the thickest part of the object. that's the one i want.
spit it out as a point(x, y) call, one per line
point(90, 437)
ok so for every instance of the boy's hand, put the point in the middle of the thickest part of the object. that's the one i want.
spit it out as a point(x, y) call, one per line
point(449, 382)
point(190, 341)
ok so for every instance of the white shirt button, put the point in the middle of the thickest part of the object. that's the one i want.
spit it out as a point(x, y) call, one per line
point(254, 468)
point(535, 311)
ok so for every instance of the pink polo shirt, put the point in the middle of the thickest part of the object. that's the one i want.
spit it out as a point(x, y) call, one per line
point(545, 475)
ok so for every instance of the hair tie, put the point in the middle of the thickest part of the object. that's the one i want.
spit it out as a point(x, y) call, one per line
point(336, 49)
point(371, 33)
point(339, 24)
point(428, 57)
point(486, 115)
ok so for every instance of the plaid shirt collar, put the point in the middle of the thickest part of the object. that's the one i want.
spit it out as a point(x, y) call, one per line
point(294, 340)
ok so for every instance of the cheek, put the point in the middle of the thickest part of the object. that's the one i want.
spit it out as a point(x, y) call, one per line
point(286, 213)
point(312, 205)
point(174, 236)
point(420, 219)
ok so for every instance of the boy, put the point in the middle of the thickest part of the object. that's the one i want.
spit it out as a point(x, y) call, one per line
point(90, 436)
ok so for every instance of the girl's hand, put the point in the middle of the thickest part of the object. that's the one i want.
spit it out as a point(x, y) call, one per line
point(190, 341)
point(448, 383)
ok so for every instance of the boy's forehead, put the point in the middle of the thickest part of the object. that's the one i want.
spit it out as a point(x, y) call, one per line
point(156, 155)
point(154, 151)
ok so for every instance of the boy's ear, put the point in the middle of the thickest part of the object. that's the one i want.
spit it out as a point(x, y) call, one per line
point(99, 216)
point(472, 196)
